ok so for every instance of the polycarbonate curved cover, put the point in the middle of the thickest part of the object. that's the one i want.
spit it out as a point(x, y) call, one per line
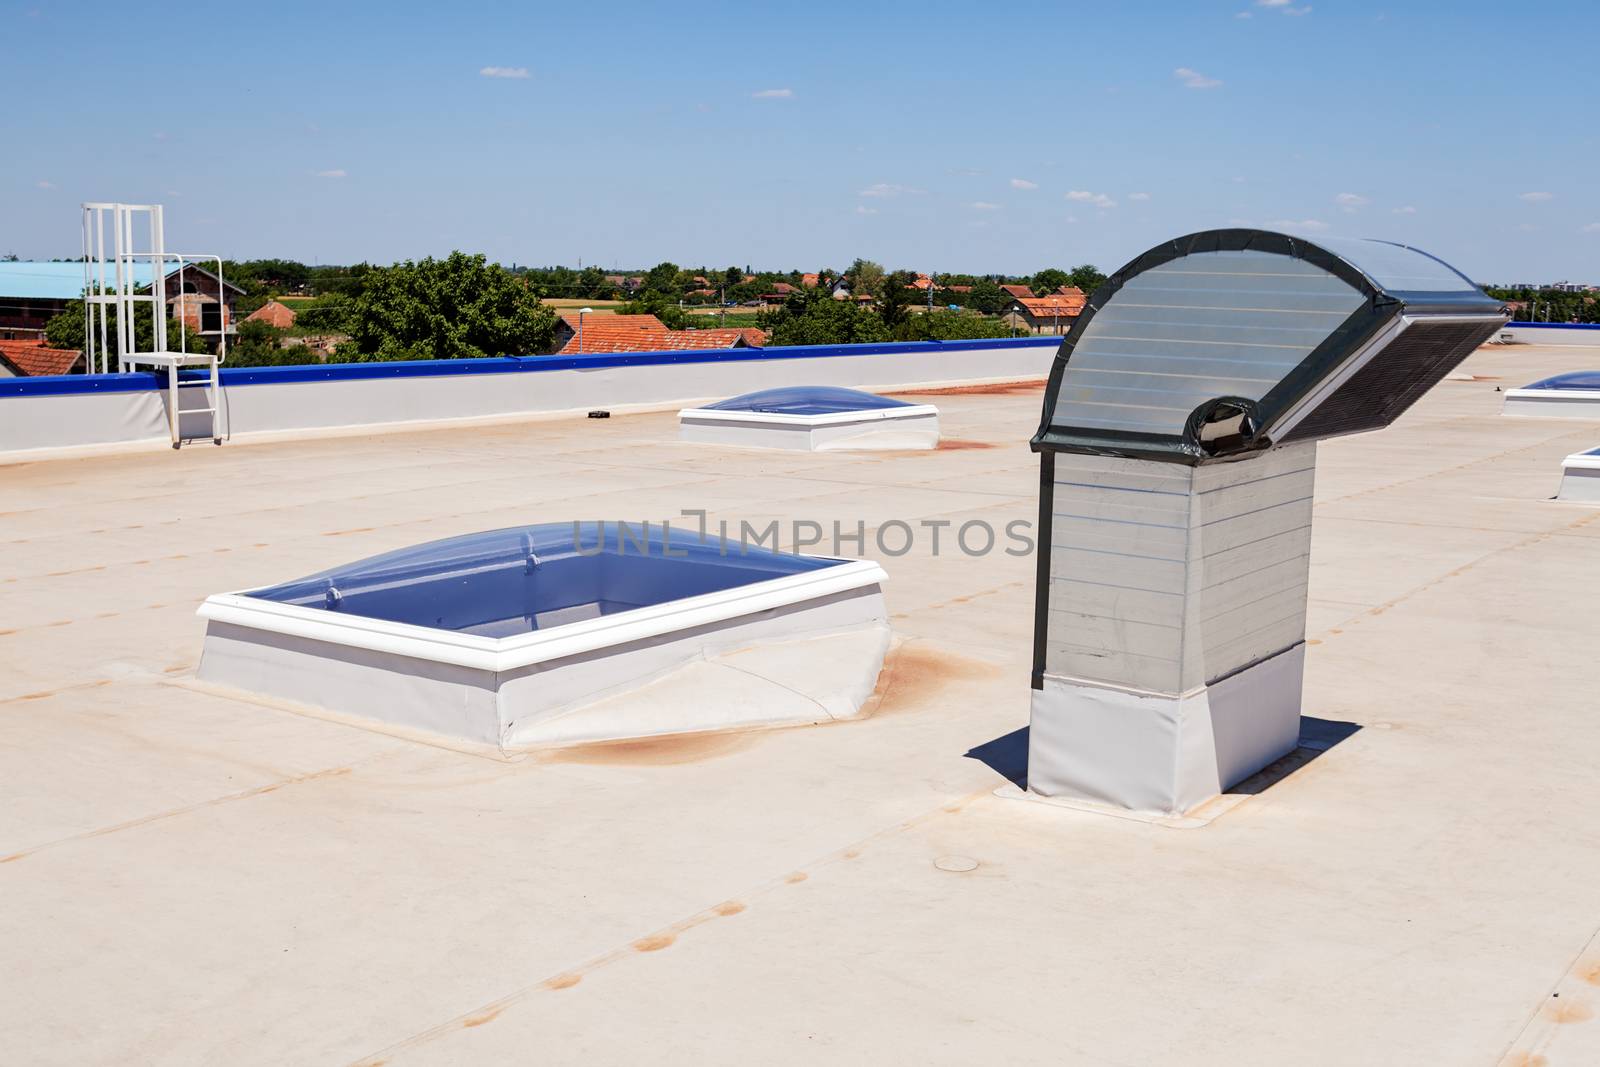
point(1227, 341)
point(1581, 379)
point(807, 400)
point(524, 578)
point(1400, 269)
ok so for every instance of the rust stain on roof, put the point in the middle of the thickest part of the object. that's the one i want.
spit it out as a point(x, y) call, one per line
point(913, 673)
point(654, 943)
point(992, 389)
point(665, 750)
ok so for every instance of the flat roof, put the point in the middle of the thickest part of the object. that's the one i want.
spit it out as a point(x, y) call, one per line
point(194, 876)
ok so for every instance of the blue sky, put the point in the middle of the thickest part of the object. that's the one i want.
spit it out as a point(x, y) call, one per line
point(945, 137)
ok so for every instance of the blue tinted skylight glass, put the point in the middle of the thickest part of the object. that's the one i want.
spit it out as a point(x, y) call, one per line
point(1581, 379)
point(807, 400)
point(504, 582)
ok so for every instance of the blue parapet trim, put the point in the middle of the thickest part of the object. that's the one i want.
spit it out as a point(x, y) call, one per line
point(1551, 326)
point(71, 384)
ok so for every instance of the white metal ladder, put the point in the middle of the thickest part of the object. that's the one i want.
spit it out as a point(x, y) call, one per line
point(112, 288)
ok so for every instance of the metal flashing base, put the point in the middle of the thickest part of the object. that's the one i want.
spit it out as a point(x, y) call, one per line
point(1580, 478)
point(909, 427)
point(1553, 403)
point(1158, 753)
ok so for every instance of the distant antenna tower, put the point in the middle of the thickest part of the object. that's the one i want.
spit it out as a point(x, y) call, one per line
point(115, 284)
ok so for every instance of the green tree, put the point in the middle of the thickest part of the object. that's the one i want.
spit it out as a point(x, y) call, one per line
point(671, 315)
point(326, 314)
point(592, 285)
point(260, 345)
point(1088, 278)
point(66, 331)
point(1049, 280)
point(811, 317)
point(897, 294)
point(866, 278)
point(732, 278)
point(452, 308)
point(986, 297)
point(951, 326)
point(663, 278)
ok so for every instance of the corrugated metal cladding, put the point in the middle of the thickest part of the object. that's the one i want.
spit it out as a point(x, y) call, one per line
point(1201, 326)
point(1166, 577)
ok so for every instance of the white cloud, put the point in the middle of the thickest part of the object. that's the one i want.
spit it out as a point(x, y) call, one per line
point(885, 190)
point(1083, 196)
point(1272, 3)
point(862, 209)
point(1023, 183)
point(966, 172)
point(1405, 210)
point(42, 184)
point(1309, 225)
point(1285, 6)
point(1138, 196)
point(331, 174)
point(773, 94)
point(1351, 201)
point(1071, 219)
point(1193, 79)
point(984, 205)
point(1535, 198)
point(1593, 227)
point(503, 72)
point(1244, 15)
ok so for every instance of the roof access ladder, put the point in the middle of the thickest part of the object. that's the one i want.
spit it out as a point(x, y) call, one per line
point(115, 287)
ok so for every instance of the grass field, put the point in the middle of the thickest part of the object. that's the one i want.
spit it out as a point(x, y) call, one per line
point(562, 303)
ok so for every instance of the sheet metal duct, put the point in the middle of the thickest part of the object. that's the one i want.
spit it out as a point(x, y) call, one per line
point(1178, 452)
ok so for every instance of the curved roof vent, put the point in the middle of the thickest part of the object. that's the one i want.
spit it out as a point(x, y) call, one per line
point(1178, 454)
point(1231, 341)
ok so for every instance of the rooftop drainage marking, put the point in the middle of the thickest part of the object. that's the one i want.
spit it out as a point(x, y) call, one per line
point(1572, 396)
point(813, 418)
point(563, 633)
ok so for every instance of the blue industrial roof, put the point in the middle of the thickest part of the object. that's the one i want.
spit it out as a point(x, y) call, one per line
point(57, 281)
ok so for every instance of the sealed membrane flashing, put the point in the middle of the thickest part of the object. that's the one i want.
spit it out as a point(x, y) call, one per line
point(816, 418)
point(511, 637)
point(1580, 478)
point(1575, 395)
point(1222, 343)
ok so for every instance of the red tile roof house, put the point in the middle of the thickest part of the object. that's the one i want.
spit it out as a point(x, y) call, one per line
point(274, 314)
point(567, 328)
point(31, 359)
point(1019, 292)
point(603, 338)
point(780, 293)
point(810, 281)
point(1044, 314)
